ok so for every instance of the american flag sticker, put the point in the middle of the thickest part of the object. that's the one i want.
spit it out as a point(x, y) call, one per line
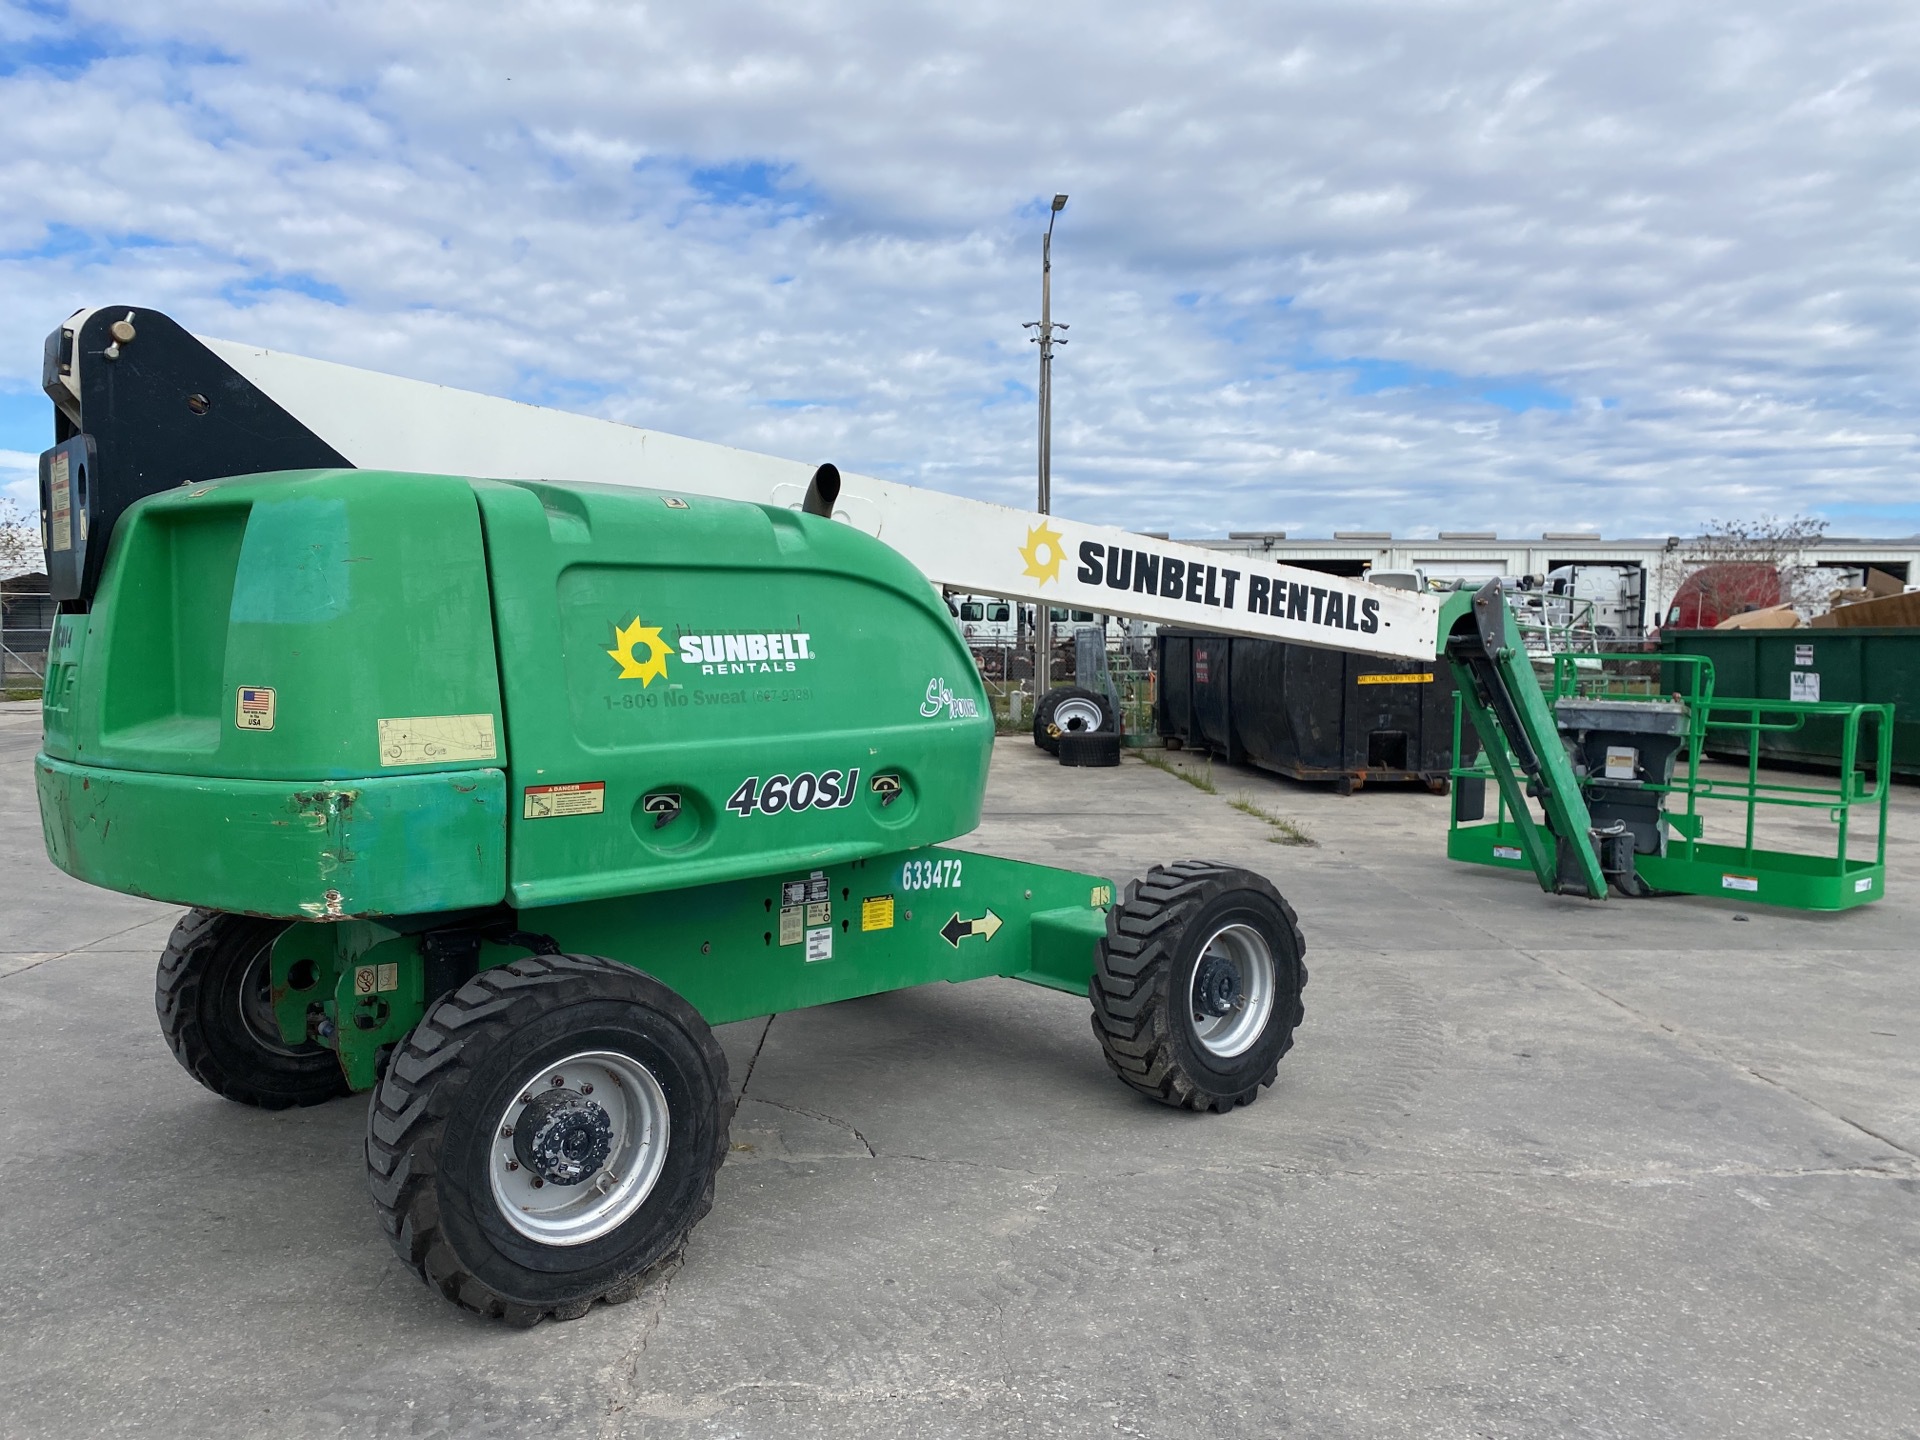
point(253, 708)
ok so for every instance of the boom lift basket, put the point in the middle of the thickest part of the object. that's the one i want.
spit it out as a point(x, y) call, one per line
point(1638, 756)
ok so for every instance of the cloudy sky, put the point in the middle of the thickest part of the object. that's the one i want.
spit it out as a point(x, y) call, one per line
point(1408, 264)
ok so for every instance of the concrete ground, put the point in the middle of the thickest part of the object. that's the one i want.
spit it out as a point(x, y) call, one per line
point(1537, 1167)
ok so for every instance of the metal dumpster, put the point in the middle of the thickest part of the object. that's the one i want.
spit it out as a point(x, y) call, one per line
point(1307, 713)
point(1873, 665)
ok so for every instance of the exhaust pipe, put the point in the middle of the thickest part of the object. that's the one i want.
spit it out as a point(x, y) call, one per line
point(822, 491)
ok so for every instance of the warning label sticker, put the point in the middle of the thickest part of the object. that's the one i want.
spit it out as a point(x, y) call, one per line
point(876, 912)
point(817, 888)
point(820, 944)
point(1740, 882)
point(432, 739)
point(60, 520)
point(1507, 852)
point(376, 979)
point(545, 802)
point(793, 892)
point(1863, 885)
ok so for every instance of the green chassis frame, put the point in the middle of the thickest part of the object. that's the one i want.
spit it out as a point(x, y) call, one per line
point(1836, 881)
point(890, 921)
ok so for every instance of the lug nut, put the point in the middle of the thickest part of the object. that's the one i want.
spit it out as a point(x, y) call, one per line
point(586, 1089)
point(538, 1183)
point(558, 1080)
point(506, 1132)
point(527, 1099)
point(513, 1164)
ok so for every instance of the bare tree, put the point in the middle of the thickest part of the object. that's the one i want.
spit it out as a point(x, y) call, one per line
point(1734, 566)
point(20, 552)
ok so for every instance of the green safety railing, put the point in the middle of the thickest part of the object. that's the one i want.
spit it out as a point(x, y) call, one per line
point(1841, 878)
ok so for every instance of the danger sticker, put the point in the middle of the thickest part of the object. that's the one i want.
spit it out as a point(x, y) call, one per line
point(820, 944)
point(876, 912)
point(547, 802)
point(1748, 883)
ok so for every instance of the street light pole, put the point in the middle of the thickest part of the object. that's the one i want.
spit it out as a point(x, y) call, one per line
point(1042, 630)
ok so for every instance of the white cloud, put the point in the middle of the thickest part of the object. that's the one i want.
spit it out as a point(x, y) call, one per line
point(20, 480)
point(1630, 265)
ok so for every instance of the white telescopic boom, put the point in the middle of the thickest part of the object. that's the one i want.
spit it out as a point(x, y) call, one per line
point(384, 422)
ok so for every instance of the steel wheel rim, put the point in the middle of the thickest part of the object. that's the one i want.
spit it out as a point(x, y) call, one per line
point(253, 997)
point(1075, 715)
point(1234, 1033)
point(574, 1214)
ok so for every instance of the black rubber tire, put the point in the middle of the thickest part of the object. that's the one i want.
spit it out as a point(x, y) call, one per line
point(1143, 971)
point(1172, 742)
point(1093, 749)
point(430, 1132)
point(210, 960)
point(1046, 734)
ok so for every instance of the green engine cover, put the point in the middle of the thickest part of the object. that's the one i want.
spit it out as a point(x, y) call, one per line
point(355, 693)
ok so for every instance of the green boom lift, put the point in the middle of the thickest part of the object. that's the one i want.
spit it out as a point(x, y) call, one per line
point(491, 796)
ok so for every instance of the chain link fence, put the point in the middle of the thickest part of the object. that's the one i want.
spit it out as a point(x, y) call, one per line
point(26, 625)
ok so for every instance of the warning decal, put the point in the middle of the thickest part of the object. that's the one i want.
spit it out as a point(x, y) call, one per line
point(61, 520)
point(876, 912)
point(545, 802)
point(433, 739)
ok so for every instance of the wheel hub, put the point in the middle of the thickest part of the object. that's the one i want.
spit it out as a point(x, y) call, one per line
point(1217, 986)
point(563, 1137)
point(1075, 716)
point(1232, 993)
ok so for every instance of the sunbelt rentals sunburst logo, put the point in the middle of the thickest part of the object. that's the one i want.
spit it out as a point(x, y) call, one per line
point(744, 652)
point(625, 640)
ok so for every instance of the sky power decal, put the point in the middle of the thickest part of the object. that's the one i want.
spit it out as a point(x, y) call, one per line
point(756, 652)
point(940, 698)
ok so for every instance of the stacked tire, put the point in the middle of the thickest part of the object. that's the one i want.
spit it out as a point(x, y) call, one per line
point(1078, 726)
